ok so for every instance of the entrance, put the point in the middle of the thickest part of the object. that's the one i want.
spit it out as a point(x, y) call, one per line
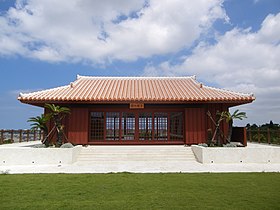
point(136, 127)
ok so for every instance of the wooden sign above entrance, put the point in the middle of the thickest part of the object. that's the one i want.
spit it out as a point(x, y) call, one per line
point(136, 105)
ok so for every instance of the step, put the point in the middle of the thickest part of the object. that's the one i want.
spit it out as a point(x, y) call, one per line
point(101, 154)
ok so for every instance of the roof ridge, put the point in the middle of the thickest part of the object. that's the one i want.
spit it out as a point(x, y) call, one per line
point(134, 77)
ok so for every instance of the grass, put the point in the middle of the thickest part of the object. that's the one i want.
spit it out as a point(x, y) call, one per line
point(140, 191)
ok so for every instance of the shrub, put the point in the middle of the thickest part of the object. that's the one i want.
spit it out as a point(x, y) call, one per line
point(203, 145)
point(229, 145)
point(39, 146)
point(67, 145)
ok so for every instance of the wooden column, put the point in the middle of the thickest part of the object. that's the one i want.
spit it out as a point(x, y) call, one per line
point(12, 136)
point(245, 137)
point(27, 135)
point(2, 137)
point(250, 134)
point(268, 136)
point(20, 136)
point(34, 135)
point(259, 138)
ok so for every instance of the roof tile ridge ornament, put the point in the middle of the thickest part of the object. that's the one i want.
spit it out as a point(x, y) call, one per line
point(20, 95)
point(193, 77)
point(72, 85)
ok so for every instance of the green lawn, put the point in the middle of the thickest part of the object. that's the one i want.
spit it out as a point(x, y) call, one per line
point(140, 191)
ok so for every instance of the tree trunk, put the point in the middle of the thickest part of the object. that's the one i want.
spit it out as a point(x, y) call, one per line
point(229, 131)
point(59, 131)
point(46, 140)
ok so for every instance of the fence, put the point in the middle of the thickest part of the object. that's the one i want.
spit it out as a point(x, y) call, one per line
point(15, 136)
point(264, 135)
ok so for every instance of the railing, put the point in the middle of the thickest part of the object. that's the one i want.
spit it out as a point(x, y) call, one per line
point(264, 135)
point(15, 136)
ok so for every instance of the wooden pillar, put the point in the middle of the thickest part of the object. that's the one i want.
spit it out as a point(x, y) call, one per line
point(250, 134)
point(136, 126)
point(2, 137)
point(27, 135)
point(268, 136)
point(20, 136)
point(34, 135)
point(259, 138)
point(245, 136)
point(153, 126)
point(12, 136)
point(168, 126)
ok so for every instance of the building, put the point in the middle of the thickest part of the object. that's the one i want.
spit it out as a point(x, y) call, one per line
point(138, 110)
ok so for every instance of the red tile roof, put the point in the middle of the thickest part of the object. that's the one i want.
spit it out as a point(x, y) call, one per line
point(140, 89)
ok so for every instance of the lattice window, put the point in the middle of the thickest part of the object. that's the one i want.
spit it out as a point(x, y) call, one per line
point(97, 126)
point(128, 126)
point(112, 126)
point(160, 125)
point(176, 126)
point(145, 126)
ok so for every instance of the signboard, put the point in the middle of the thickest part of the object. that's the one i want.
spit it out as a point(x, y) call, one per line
point(136, 106)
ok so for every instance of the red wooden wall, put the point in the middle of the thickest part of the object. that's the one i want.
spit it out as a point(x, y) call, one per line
point(78, 126)
point(195, 125)
point(213, 108)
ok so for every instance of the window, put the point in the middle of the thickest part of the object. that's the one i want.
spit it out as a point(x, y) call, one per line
point(150, 126)
point(176, 126)
point(128, 126)
point(97, 126)
point(160, 125)
point(112, 126)
point(145, 126)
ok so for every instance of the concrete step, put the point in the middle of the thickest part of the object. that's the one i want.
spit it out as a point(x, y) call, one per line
point(101, 154)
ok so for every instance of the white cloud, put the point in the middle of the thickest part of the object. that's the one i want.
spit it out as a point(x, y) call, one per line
point(241, 60)
point(100, 31)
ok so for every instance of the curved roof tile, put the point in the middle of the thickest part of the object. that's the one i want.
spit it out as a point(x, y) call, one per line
point(142, 89)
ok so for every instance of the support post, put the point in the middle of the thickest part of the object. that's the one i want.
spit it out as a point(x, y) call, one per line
point(268, 136)
point(259, 138)
point(12, 136)
point(20, 136)
point(27, 135)
point(245, 136)
point(250, 134)
point(2, 137)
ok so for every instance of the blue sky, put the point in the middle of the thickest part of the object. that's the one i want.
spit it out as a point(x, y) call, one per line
point(231, 44)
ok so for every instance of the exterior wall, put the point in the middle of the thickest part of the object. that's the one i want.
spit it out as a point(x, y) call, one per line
point(78, 125)
point(196, 121)
point(195, 125)
point(213, 108)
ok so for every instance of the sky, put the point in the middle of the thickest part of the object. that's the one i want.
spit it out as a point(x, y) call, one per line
point(229, 44)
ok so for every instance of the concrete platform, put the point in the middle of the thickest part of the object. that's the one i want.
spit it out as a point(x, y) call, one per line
point(140, 162)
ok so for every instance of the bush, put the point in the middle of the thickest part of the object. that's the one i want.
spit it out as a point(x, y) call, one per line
point(203, 145)
point(39, 146)
point(229, 145)
point(67, 145)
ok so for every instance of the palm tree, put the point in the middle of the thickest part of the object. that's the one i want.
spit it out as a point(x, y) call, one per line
point(40, 122)
point(229, 119)
point(57, 114)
